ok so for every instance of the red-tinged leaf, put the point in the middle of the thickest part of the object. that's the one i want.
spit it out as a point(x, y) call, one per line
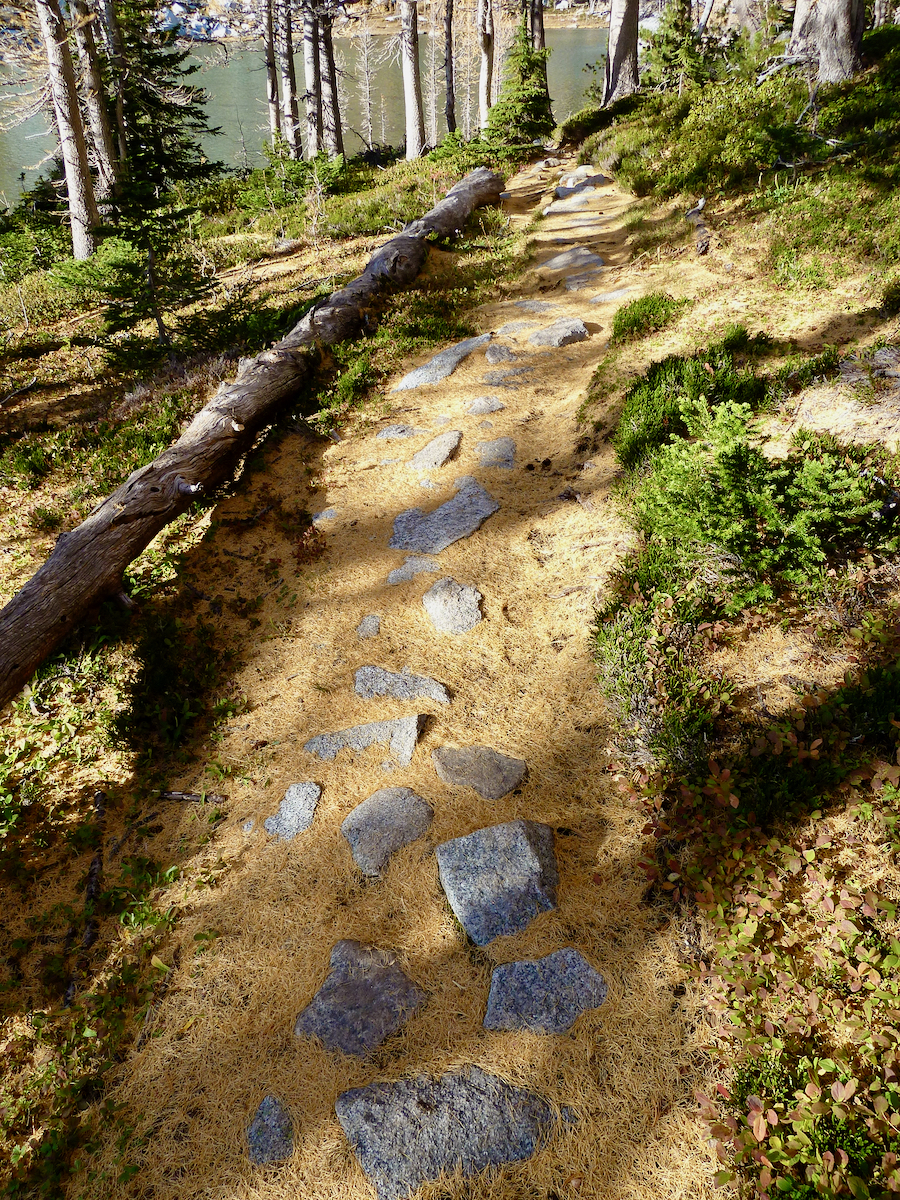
point(759, 1127)
point(837, 1090)
point(812, 1091)
point(849, 1089)
point(597, 879)
point(754, 1104)
point(723, 1091)
point(769, 1028)
point(828, 1160)
point(772, 1117)
point(733, 801)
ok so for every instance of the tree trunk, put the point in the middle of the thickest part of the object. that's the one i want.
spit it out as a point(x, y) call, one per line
point(95, 101)
point(831, 31)
point(83, 213)
point(86, 565)
point(267, 20)
point(313, 77)
point(331, 110)
point(290, 113)
point(412, 85)
point(621, 55)
point(538, 40)
point(486, 40)
point(881, 13)
point(704, 19)
point(450, 90)
point(115, 49)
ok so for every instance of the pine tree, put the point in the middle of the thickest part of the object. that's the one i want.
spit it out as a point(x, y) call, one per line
point(522, 111)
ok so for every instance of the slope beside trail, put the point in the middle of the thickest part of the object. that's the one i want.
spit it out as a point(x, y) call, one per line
point(253, 948)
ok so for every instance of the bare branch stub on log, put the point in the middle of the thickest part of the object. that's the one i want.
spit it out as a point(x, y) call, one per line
point(87, 564)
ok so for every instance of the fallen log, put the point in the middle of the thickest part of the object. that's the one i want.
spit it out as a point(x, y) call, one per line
point(87, 564)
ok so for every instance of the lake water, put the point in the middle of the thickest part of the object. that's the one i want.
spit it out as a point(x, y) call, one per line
point(233, 75)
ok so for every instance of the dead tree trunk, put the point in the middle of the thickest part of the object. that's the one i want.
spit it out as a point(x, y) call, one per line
point(313, 76)
point(621, 77)
point(450, 90)
point(412, 85)
point(332, 131)
point(272, 98)
point(86, 565)
point(95, 101)
point(290, 121)
point(485, 77)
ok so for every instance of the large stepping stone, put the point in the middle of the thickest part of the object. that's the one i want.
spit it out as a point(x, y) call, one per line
point(452, 607)
point(363, 1001)
point(578, 283)
point(436, 453)
point(498, 354)
point(410, 1130)
point(270, 1137)
point(384, 824)
point(535, 306)
point(375, 681)
point(432, 532)
point(442, 365)
point(498, 879)
point(401, 733)
point(487, 404)
point(296, 811)
point(510, 379)
point(571, 203)
point(513, 327)
point(412, 567)
point(489, 772)
point(501, 452)
point(611, 297)
point(563, 332)
point(545, 995)
point(579, 258)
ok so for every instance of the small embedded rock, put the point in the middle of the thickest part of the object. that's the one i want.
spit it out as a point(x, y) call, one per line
point(501, 452)
point(375, 681)
point(563, 332)
point(442, 364)
point(413, 566)
point(296, 811)
point(385, 823)
point(485, 404)
point(452, 607)
point(489, 772)
point(545, 995)
point(368, 627)
point(270, 1137)
point(437, 452)
point(401, 734)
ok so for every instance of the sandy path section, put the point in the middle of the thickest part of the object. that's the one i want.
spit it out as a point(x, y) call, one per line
point(523, 682)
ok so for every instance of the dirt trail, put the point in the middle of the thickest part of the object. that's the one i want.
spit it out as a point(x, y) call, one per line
point(523, 682)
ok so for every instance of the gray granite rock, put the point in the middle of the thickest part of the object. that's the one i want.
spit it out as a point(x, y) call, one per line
point(611, 297)
point(432, 532)
point(535, 306)
point(563, 332)
point(452, 607)
point(489, 772)
point(368, 627)
point(327, 514)
point(485, 424)
point(498, 354)
point(410, 1130)
point(442, 365)
point(397, 432)
point(270, 1136)
point(498, 879)
point(401, 733)
point(510, 379)
point(545, 995)
point(570, 204)
point(513, 327)
point(485, 404)
point(384, 824)
point(586, 279)
point(413, 566)
point(363, 1001)
point(436, 453)
point(296, 811)
point(501, 452)
point(375, 681)
point(579, 258)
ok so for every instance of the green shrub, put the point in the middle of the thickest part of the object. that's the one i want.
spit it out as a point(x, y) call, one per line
point(645, 315)
point(652, 413)
point(521, 113)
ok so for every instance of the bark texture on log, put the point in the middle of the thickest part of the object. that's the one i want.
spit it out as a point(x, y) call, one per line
point(87, 564)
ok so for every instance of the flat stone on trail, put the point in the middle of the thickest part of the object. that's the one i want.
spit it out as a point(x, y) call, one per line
point(296, 811)
point(487, 404)
point(327, 514)
point(545, 995)
point(498, 879)
point(452, 607)
point(578, 283)
point(579, 258)
point(384, 824)
point(610, 297)
point(436, 453)
point(430, 533)
point(369, 626)
point(501, 452)
point(395, 432)
point(563, 332)
point(503, 378)
point(489, 772)
point(413, 566)
point(513, 327)
point(498, 354)
point(363, 1001)
point(270, 1137)
point(442, 365)
point(401, 733)
point(535, 306)
point(410, 1130)
point(374, 681)
point(571, 203)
